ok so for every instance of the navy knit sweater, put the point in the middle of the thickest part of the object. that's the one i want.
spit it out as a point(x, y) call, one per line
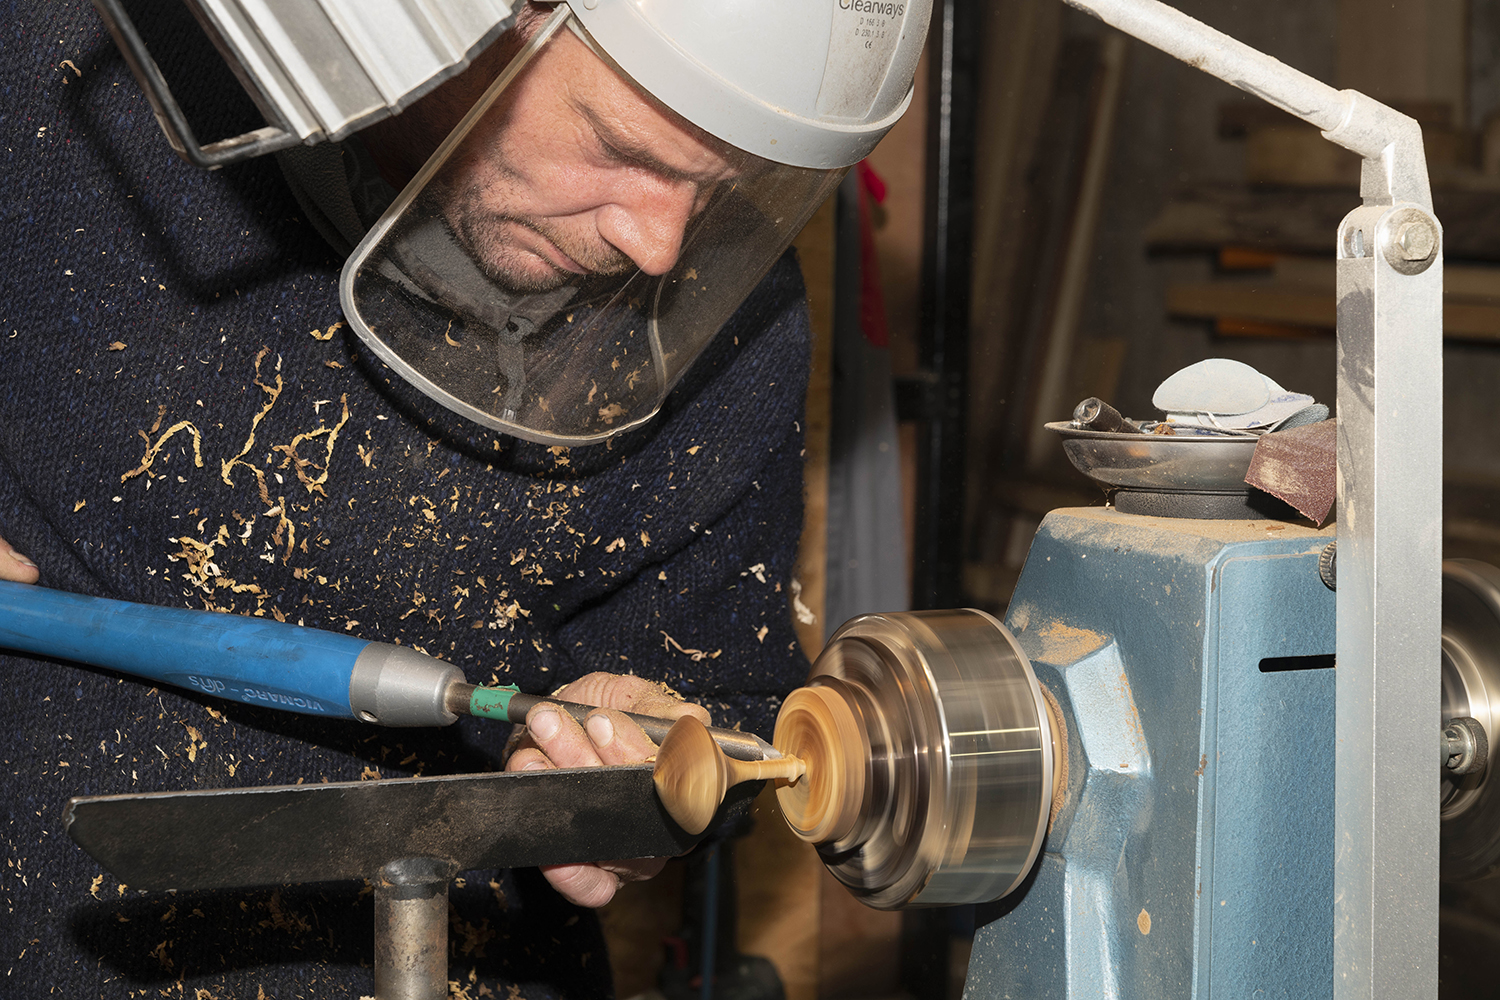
point(185, 421)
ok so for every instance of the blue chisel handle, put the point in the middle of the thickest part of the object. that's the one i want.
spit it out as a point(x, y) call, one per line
point(258, 661)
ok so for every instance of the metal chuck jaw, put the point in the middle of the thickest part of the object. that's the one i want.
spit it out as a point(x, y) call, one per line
point(933, 759)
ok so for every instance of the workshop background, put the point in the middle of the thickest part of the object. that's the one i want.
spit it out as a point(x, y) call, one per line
point(1096, 216)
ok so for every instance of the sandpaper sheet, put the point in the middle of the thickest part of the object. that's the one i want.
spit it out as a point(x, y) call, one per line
point(1299, 466)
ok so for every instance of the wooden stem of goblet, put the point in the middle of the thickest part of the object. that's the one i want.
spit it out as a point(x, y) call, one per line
point(692, 774)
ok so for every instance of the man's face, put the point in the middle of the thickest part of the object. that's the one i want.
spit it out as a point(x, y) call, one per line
point(572, 172)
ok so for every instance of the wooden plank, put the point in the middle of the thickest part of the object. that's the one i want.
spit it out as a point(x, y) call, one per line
point(1266, 303)
point(777, 878)
point(1253, 305)
point(1233, 326)
point(1246, 259)
point(1078, 255)
point(1461, 282)
point(1412, 50)
point(1479, 283)
point(1022, 42)
point(1238, 118)
point(635, 922)
point(1293, 152)
point(1303, 220)
point(860, 955)
point(1470, 321)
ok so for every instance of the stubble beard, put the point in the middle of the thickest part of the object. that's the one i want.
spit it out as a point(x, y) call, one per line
point(483, 232)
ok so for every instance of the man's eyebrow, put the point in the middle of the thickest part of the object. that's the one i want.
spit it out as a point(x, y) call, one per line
point(636, 152)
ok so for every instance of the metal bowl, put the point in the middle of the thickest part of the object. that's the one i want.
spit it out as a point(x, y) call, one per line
point(1158, 462)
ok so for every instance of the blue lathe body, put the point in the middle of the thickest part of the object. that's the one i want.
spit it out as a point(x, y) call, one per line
point(1192, 855)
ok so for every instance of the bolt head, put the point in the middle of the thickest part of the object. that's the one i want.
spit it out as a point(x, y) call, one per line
point(1416, 241)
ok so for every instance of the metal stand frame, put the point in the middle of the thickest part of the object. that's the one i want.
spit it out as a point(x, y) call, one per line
point(1390, 286)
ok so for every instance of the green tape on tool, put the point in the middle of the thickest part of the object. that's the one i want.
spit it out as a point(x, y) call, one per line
point(492, 701)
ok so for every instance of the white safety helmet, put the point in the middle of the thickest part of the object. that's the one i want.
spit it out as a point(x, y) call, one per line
point(609, 201)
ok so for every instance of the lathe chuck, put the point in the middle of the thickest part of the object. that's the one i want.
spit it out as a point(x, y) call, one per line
point(932, 758)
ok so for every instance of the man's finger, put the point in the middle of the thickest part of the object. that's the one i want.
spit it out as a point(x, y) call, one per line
point(528, 759)
point(635, 870)
point(16, 567)
point(560, 737)
point(596, 884)
point(616, 739)
point(675, 709)
point(583, 885)
point(629, 693)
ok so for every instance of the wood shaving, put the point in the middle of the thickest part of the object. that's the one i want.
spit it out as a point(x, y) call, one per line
point(300, 465)
point(152, 450)
point(286, 531)
point(693, 654)
point(275, 393)
point(799, 608)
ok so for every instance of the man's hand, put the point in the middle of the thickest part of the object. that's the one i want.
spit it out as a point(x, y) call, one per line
point(14, 566)
point(553, 739)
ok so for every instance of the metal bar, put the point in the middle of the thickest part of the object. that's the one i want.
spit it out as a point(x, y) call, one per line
point(352, 829)
point(1346, 117)
point(1389, 511)
point(513, 706)
point(1389, 610)
point(1229, 59)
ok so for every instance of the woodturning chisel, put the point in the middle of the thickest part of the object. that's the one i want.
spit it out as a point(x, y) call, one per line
point(261, 661)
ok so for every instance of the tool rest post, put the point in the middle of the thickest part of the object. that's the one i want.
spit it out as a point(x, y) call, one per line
point(411, 930)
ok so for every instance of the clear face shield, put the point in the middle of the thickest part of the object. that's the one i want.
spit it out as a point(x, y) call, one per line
point(570, 249)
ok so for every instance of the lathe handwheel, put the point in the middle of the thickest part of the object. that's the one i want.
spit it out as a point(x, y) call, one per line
point(953, 755)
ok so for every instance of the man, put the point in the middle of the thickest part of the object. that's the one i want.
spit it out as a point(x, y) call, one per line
point(573, 171)
point(185, 420)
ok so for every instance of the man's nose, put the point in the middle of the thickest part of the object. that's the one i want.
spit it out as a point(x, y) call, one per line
point(647, 221)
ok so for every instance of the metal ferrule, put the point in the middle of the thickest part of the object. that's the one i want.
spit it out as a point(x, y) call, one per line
point(396, 686)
